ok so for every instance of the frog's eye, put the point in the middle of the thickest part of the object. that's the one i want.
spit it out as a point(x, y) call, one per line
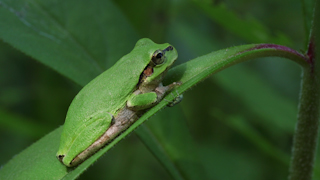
point(158, 57)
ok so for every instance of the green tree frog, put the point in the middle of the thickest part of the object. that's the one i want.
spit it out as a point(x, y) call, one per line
point(114, 100)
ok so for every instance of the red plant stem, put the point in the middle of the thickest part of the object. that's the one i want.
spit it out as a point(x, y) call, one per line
point(306, 131)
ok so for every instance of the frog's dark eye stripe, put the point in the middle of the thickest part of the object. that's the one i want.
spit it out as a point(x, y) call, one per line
point(169, 48)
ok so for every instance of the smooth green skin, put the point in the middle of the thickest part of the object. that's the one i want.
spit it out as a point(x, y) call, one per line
point(90, 113)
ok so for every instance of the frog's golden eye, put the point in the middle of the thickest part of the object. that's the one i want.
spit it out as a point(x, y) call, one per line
point(158, 57)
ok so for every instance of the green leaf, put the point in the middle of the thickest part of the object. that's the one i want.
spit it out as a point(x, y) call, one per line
point(249, 29)
point(148, 138)
point(237, 82)
point(41, 155)
point(244, 128)
point(79, 40)
point(37, 161)
point(168, 137)
point(20, 125)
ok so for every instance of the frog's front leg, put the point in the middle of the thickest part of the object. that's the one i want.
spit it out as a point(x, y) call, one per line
point(140, 101)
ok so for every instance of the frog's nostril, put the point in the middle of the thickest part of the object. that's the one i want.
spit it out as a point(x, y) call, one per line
point(60, 157)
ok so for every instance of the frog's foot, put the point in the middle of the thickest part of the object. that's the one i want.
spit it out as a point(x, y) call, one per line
point(164, 89)
point(174, 84)
point(177, 99)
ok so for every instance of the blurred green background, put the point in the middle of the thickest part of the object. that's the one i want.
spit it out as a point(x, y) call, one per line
point(241, 119)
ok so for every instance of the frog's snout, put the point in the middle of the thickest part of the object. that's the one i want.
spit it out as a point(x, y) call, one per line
point(60, 158)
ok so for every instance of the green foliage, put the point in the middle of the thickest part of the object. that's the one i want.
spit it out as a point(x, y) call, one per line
point(249, 29)
point(36, 162)
point(60, 34)
point(237, 124)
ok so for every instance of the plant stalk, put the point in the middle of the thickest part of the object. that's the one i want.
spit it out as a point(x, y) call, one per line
point(306, 132)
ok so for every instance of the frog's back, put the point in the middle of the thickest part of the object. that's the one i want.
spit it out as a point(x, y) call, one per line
point(108, 92)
